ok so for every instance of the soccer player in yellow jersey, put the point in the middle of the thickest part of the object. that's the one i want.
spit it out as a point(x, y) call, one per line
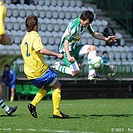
point(4, 38)
point(37, 71)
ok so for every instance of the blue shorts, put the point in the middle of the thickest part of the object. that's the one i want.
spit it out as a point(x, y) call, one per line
point(13, 85)
point(47, 79)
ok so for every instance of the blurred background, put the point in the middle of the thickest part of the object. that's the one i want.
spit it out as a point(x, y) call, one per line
point(54, 16)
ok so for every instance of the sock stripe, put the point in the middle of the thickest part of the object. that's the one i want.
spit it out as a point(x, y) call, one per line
point(61, 69)
point(2, 103)
point(91, 69)
point(89, 60)
point(64, 69)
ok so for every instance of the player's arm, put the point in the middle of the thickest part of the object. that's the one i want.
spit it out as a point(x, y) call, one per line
point(95, 34)
point(38, 46)
point(66, 47)
point(5, 39)
point(50, 53)
point(68, 39)
point(101, 37)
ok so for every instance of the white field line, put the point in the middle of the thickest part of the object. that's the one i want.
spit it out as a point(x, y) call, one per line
point(43, 130)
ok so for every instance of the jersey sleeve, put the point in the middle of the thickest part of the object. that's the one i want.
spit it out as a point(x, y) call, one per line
point(90, 29)
point(37, 44)
point(72, 29)
point(2, 17)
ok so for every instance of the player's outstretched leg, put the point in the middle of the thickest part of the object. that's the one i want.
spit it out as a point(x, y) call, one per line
point(95, 63)
point(11, 110)
point(63, 69)
point(7, 109)
point(32, 106)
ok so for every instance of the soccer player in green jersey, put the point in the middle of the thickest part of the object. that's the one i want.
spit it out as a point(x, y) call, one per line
point(73, 52)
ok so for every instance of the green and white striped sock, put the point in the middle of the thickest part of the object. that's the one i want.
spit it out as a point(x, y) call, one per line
point(64, 69)
point(3, 105)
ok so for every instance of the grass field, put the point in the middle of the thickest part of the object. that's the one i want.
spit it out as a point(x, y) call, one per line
point(86, 116)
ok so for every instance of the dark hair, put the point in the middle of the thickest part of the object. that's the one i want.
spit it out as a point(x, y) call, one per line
point(105, 52)
point(6, 65)
point(30, 22)
point(87, 15)
point(109, 24)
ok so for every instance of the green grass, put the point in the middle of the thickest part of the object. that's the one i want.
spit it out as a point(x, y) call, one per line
point(87, 116)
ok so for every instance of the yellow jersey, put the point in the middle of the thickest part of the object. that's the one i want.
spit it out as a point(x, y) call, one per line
point(34, 65)
point(2, 17)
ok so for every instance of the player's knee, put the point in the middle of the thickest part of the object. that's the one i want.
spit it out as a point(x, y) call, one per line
point(59, 85)
point(47, 88)
point(91, 48)
point(5, 39)
point(56, 85)
point(76, 73)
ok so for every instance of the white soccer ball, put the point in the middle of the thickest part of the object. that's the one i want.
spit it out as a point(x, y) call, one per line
point(96, 62)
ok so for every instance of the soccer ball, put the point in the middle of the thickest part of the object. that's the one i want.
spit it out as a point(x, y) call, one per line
point(96, 62)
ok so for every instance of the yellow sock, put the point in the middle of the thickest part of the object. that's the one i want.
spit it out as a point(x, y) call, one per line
point(40, 94)
point(11, 98)
point(56, 97)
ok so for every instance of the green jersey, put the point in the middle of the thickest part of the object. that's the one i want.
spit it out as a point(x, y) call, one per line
point(73, 34)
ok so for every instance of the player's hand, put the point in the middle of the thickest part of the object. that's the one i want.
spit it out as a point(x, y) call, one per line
point(60, 56)
point(2, 83)
point(111, 39)
point(71, 59)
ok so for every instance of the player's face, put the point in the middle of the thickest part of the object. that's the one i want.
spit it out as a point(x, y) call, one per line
point(6, 69)
point(85, 23)
point(36, 27)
